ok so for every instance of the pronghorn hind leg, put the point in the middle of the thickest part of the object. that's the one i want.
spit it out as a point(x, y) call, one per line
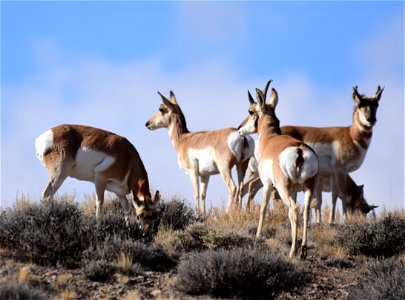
point(227, 177)
point(288, 198)
point(309, 193)
point(241, 168)
point(57, 176)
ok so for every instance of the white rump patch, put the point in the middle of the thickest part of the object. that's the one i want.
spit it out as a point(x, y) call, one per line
point(241, 146)
point(288, 165)
point(42, 144)
point(250, 149)
point(235, 143)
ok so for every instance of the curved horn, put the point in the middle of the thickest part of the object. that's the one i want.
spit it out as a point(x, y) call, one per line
point(355, 95)
point(378, 93)
point(251, 100)
point(266, 88)
point(260, 97)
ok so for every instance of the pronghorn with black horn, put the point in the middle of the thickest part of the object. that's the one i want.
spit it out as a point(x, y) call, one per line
point(108, 160)
point(284, 163)
point(341, 150)
point(204, 153)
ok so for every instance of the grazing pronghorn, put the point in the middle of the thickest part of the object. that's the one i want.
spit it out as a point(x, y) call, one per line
point(356, 201)
point(108, 160)
point(204, 153)
point(341, 150)
point(284, 162)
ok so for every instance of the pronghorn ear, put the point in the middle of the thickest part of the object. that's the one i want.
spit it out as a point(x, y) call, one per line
point(260, 98)
point(378, 93)
point(356, 96)
point(273, 99)
point(155, 199)
point(360, 191)
point(173, 98)
point(266, 88)
point(166, 101)
point(369, 208)
point(251, 100)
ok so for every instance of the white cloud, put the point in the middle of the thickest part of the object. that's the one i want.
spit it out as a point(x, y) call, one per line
point(214, 22)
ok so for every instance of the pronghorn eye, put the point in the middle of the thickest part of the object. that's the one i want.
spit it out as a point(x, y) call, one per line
point(250, 112)
point(161, 110)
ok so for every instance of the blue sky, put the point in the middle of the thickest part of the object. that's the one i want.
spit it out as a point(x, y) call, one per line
point(101, 64)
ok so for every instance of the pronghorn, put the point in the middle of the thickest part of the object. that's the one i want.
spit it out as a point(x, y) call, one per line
point(356, 203)
point(341, 150)
point(108, 160)
point(283, 162)
point(204, 153)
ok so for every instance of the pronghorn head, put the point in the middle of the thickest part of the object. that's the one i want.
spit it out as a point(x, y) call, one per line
point(259, 109)
point(366, 106)
point(358, 203)
point(146, 210)
point(168, 110)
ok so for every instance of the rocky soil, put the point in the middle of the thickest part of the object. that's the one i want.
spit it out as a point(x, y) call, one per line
point(330, 282)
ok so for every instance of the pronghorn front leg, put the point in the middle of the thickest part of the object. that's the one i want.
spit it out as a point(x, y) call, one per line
point(196, 187)
point(340, 180)
point(334, 200)
point(125, 207)
point(318, 208)
point(263, 208)
point(100, 188)
point(204, 185)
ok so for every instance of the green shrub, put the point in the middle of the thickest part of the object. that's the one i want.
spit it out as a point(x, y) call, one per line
point(382, 238)
point(384, 280)
point(238, 273)
point(21, 291)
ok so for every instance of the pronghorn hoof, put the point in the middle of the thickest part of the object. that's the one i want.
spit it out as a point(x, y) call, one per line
point(303, 252)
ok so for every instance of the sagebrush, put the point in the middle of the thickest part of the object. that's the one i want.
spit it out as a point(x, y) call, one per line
point(249, 273)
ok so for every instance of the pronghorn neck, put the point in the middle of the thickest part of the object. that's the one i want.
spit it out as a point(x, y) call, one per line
point(177, 128)
point(359, 132)
point(268, 126)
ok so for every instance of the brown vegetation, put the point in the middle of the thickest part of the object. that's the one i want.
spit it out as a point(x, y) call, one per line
point(60, 251)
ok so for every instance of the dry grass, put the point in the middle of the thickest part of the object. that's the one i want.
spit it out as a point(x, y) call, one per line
point(68, 295)
point(124, 262)
point(133, 295)
point(88, 205)
point(23, 274)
